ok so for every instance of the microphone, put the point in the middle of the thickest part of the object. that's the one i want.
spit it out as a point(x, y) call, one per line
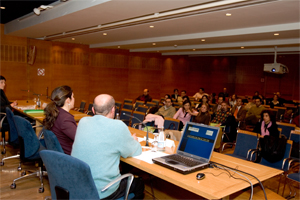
point(147, 137)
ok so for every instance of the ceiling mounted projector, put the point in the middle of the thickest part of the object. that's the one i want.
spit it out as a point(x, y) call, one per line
point(38, 10)
point(275, 68)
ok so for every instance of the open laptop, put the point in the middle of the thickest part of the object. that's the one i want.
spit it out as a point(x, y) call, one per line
point(194, 150)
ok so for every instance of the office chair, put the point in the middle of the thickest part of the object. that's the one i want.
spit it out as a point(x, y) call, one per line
point(139, 115)
point(151, 104)
point(142, 108)
point(51, 141)
point(286, 128)
point(172, 124)
point(118, 103)
point(82, 106)
point(3, 129)
point(89, 110)
point(13, 136)
point(156, 101)
point(29, 149)
point(128, 106)
point(128, 101)
point(65, 170)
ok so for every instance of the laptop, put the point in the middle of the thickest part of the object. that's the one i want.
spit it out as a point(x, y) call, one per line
point(194, 150)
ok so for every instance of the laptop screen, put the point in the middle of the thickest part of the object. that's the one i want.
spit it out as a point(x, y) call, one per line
point(198, 139)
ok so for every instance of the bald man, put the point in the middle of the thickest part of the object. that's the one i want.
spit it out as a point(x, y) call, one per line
point(100, 141)
point(145, 97)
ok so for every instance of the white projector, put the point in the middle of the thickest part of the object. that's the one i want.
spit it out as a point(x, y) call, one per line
point(276, 68)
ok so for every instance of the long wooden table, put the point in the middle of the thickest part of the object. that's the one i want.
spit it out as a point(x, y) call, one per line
point(211, 187)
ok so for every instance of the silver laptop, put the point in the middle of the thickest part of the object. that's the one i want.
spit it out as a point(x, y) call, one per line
point(194, 150)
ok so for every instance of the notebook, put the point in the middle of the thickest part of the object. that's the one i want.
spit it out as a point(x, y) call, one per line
point(194, 150)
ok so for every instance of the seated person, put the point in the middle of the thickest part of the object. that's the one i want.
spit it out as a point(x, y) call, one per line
point(163, 101)
point(221, 115)
point(184, 113)
point(275, 101)
point(59, 120)
point(100, 142)
point(198, 96)
point(224, 93)
point(183, 94)
point(239, 113)
point(254, 113)
point(4, 101)
point(203, 116)
point(250, 103)
point(145, 97)
point(232, 100)
point(175, 95)
point(267, 126)
point(167, 110)
point(204, 100)
point(218, 106)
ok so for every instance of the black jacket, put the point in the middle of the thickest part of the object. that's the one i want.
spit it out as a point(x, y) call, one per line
point(273, 130)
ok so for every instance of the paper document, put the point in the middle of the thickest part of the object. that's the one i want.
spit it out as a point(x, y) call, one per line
point(148, 155)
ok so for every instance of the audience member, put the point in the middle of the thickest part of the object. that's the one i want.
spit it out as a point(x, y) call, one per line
point(198, 96)
point(145, 97)
point(212, 98)
point(250, 104)
point(167, 110)
point(203, 116)
point(59, 120)
point(239, 113)
point(224, 93)
point(256, 95)
point(175, 95)
point(275, 101)
point(254, 113)
point(4, 101)
point(180, 98)
point(185, 113)
point(163, 101)
point(232, 100)
point(280, 99)
point(204, 100)
point(221, 115)
point(100, 142)
point(267, 126)
point(218, 106)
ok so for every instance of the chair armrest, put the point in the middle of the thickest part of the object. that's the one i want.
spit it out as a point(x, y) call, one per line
point(252, 152)
point(1, 122)
point(129, 182)
point(227, 143)
point(290, 161)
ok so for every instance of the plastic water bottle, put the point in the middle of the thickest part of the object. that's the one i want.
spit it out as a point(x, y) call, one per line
point(117, 116)
point(38, 102)
point(161, 140)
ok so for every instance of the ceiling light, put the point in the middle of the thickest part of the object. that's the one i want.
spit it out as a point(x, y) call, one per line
point(194, 49)
point(151, 26)
point(119, 47)
point(228, 14)
point(73, 38)
point(276, 33)
point(175, 45)
point(157, 51)
point(153, 44)
point(242, 47)
point(2, 8)
point(104, 33)
point(203, 40)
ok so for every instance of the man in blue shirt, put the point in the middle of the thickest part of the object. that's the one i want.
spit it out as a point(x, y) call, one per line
point(100, 141)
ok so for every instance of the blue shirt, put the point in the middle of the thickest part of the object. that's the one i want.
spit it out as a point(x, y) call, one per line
point(100, 141)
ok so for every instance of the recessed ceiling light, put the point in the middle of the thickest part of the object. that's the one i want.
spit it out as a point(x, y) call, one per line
point(242, 47)
point(203, 40)
point(2, 8)
point(228, 14)
point(73, 38)
point(104, 33)
point(194, 49)
point(153, 44)
point(157, 51)
point(175, 45)
point(276, 33)
point(119, 47)
point(151, 26)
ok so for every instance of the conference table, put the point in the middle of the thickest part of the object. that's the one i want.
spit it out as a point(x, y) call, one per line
point(212, 187)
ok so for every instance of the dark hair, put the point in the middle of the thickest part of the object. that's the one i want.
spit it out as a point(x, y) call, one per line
point(185, 102)
point(271, 114)
point(186, 98)
point(2, 78)
point(169, 96)
point(221, 97)
point(58, 98)
point(175, 90)
point(204, 96)
point(183, 91)
point(202, 88)
point(258, 98)
point(104, 108)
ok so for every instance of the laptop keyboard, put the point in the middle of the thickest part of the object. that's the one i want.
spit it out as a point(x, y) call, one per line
point(185, 160)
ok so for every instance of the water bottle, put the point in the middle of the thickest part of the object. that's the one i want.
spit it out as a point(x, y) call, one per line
point(117, 116)
point(161, 140)
point(38, 102)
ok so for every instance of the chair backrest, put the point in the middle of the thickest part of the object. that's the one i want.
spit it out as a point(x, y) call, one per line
point(155, 101)
point(295, 137)
point(278, 165)
point(122, 116)
point(82, 106)
point(128, 106)
point(151, 104)
point(172, 124)
point(142, 108)
point(138, 103)
point(31, 143)
point(128, 101)
point(286, 128)
point(51, 141)
point(139, 115)
point(245, 140)
point(69, 173)
point(118, 103)
point(280, 112)
point(13, 133)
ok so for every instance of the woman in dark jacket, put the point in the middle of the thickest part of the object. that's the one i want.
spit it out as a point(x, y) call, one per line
point(203, 116)
point(267, 126)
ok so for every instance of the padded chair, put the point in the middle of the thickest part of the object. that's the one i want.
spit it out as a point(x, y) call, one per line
point(172, 124)
point(286, 128)
point(156, 101)
point(89, 110)
point(138, 103)
point(128, 106)
point(125, 118)
point(3, 129)
point(142, 108)
point(245, 141)
point(128, 101)
point(280, 112)
point(51, 141)
point(139, 115)
point(71, 178)
point(30, 147)
point(151, 104)
point(82, 106)
point(118, 104)
point(13, 136)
